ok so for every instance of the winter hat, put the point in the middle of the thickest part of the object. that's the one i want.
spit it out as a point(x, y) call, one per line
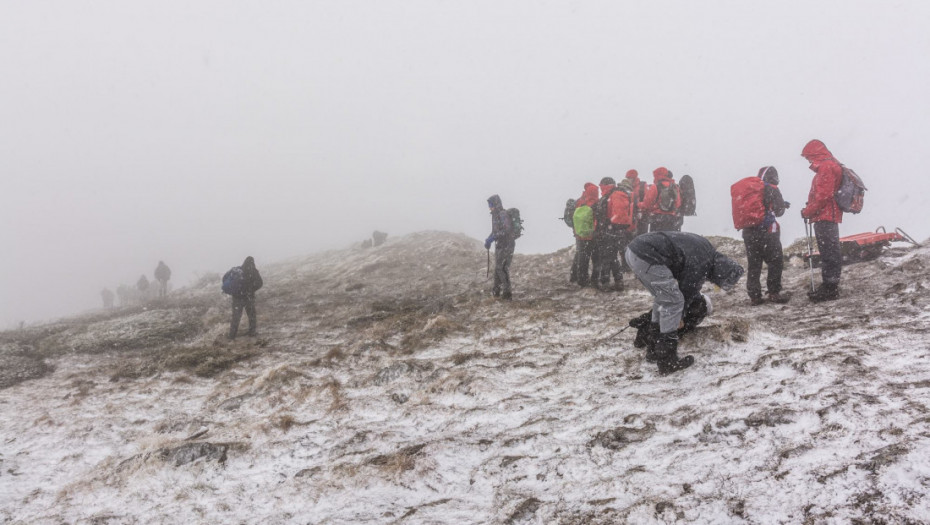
point(726, 272)
point(632, 174)
point(661, 173)
point(769, 174)
point(607, 181)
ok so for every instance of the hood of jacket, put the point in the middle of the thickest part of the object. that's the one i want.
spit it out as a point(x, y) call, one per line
point(769, 174)
point(494, 202)
point(589, 197)
point(660, 174)
point(606, 188)
point(816, 152)
point(726, 272)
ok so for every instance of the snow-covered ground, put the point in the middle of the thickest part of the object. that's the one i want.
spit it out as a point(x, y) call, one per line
point(386, 386)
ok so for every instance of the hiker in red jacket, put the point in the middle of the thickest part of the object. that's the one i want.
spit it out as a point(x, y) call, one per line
point(585, 252)
point(641, 219)
point(663, 216)
point(825, 215)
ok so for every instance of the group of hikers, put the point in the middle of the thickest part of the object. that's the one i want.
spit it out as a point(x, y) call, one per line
point(643, 221)
point(142, 291)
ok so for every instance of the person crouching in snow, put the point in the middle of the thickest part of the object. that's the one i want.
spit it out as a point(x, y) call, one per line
point(504, 239)
point(673, 266)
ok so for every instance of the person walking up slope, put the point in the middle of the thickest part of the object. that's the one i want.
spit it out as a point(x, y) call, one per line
point(503, 236)
point(823, 212)
point(241, 282)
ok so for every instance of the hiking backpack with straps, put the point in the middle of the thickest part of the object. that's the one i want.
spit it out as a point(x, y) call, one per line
point(583, 222)
point(516, 222)
point(688, 196)
point(851, 193)
point(748, 197)
point(569, 212)
point(620, 207)
point(667, 197)
point(233, 281)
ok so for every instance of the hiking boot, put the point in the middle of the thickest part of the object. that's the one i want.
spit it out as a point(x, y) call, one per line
point(779, 298)
point(652, 336)
point(669, 367)
point(507, 296)
point(756, 301)
point(826, 292)
point(619, 287)
point(666, 351)
point(641, 324)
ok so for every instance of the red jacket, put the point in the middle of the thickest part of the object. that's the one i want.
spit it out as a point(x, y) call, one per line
point(821, 202)
point(589, 197)
point(651, 200)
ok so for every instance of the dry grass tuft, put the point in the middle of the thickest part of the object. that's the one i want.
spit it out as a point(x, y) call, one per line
point(204, 361)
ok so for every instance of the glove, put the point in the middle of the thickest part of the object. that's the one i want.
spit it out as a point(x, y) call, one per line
point(787, 205)
point(804, 213)
point(488, 241)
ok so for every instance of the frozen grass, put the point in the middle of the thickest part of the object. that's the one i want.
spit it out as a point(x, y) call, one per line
point(388, 387)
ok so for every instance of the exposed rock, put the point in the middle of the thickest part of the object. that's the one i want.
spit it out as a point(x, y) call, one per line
point(190, 452)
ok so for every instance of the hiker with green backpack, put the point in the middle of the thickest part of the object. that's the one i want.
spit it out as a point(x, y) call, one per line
point(583, 225)
point(506, 226)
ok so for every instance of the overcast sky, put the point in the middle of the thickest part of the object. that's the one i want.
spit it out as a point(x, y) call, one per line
point(201, 132)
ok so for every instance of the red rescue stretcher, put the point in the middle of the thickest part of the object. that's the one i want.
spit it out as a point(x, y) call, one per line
point(865, 246)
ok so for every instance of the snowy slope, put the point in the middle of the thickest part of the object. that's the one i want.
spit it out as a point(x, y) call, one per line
point(386, 386)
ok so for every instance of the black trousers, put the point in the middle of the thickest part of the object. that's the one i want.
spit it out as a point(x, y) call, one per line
point(584, 257)
point(610, 245)
point(503, 256)
point(763, 247)
point(831, 254)
point(246, 302)
point(664, 223)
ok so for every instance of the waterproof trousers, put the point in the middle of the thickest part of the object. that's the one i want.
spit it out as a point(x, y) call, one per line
point(763, 247)
point(668, 302)
point(831, 254)
point(503, 256)
point(239, 303)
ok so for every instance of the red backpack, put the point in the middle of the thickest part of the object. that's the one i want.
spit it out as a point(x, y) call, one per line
point(748, 202)
point(620, 207)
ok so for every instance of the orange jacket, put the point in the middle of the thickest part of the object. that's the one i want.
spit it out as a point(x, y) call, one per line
point(821, 201)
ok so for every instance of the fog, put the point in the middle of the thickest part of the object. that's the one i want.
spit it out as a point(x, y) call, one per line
point(200, 133)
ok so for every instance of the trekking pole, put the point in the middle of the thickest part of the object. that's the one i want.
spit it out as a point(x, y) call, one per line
point(488, 274)
point(810, 250)
point(609, 337)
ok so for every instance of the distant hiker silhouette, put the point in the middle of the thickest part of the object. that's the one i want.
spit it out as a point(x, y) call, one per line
point(107, 297)
point(162, 275)
point(241, 282)
point(378, 238)
point(143, 284)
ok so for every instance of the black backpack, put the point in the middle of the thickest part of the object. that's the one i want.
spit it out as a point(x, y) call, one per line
point(569, 213)
point(516, 222)
point(688, 197)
